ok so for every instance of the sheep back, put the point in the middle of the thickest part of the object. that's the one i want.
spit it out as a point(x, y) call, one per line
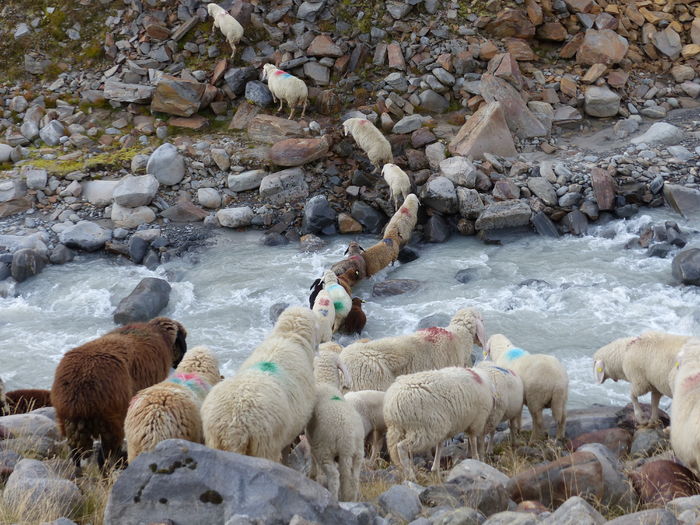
point(370, 405)
point(685, 438)
point(370, 139)
point(26, 400)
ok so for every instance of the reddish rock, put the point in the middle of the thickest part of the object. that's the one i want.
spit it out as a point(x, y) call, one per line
point(567, 86)
point(422, 137)
point(519, 49)
point(534, 12)
point(396, 59)
point(185, 212)
point(594, 73)
point(603, 46)
point(512, 22)
point(346, 224)
point(487, 50)
point(196, 122)
point(485, 131)
point(323, 46)
point(552, 31)
point(270, 129)
point(579, 474)
point(506, 67)
point(219, 71)
point(157, 31)
point(505, 189)
point(296, 152)
point(243, 116)
point(606, 21)
point(328, 102)
point(569, 49)
point(178, 97)
point(580, 6)
point(618, 78)
point(521, 120)
point(603, 188)
point(618, 440)
point(534, 507)
point(659, 482)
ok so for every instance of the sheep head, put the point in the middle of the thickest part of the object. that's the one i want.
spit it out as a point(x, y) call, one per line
point(215, 9)
point(201, 360)
point(299, 322)
point(330, 277)
point(496, 345)
point(268, 69)
point(471, 319)
point(354, 248)
point(175, 334)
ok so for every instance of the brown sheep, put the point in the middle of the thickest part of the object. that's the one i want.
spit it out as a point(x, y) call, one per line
point(23, 401)
point(95, 382)
point(356, 319)
point(353, 261)
point(382, 254)
point(348, 279)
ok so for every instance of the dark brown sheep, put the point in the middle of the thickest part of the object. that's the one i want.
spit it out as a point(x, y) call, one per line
point(95, 382)
point(23, 401)
point(356, 319)
point(348, 280)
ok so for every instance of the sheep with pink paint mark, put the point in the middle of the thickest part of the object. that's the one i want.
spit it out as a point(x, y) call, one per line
point(285, 87)
point(370, 139)
point(228, 25)
point(685, 413)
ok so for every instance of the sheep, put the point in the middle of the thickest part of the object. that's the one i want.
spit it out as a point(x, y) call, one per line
point(339, 296)
point(399, 184)
point(348, 279)
point(645, 361)
point(335, 432)
point(685, 438)
point(287, 88)
point(266, 405)
point(324, 309)
point(356, 318)
point(403, 222)
point(545, 381)
point(228, 25)
point(353, 261)
point(381, 254)
point(370, 405)
point(95, 382)
point(370, 139)
point(315, 288)
point(170, 409)
point(4, 406)
point(508, 403)
point(376, 364)
point(423, 409)
point(26, 400)
point(329, 368)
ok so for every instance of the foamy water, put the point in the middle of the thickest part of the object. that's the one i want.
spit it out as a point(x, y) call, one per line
point(587, 292)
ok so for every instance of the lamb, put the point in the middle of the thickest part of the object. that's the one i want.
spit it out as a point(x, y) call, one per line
point(403, 222)
point(354, 261)
point(267, 404)
point(399, 183)
point(423, 409)
point(376, 364)
point(335, 432)
point(508, 403)
point(382, 254)
point(26, 400)
point(329, 368)
point(685, 438)
point(95, 382)
point(370, 405)
point(325, 311)
point(228, 25)
point(356, 318)
point(370, 139)
point(339, 296)
point(645, 361)
point(170, 409)
point(287, 88)
point(545, 381)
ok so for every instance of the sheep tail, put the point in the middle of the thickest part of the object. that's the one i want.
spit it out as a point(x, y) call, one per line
point(79, 434)
point(393, 436)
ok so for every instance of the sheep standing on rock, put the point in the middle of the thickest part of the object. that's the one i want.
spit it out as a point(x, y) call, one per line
point(228, 25)
point(399, 184)
point(370, 405)
point(266, 405)
point(95, 382)
point(376, 364)
point(508, 403)
point(170, 409)
point(370, 139)
point(286, 88)
point(545, 381)
point(421, 410)
point(645, 361)
point(403, 222)
point(685, 415)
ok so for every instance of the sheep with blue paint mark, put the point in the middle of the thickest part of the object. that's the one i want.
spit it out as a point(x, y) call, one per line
point(508, 403)
point(685, 415)
point(341, 300)
point(228, 25)
point(268, 402)
point(285, 87)
point(545, 381)
point(370, 139)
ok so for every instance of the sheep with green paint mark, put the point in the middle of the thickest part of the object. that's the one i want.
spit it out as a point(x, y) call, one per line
point(325, 311)
point(268, 402)
point(339, 296)
point(545, 381)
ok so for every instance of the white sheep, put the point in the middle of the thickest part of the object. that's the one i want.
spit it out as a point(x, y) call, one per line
point(370, 139)
point(404, 220)
point(645, 361)
point(376, 364)
point(329, 368)
point(285, 87)
point(544, 378)
point(508, 403)
point(685, 415)
point(370, 405)
point(4, 407)
point(399, 184)
point(267, 403)
point(339, 296)
point(325, 311)
point(228, 25)
point(422, 410)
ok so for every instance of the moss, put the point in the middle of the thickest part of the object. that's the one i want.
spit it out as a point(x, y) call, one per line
point(116, 158)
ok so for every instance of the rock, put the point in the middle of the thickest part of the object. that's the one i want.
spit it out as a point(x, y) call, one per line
point(393, 287)
point(470, 203)
point(616, 486)
point(221, 158)
point(685, 201)
point(311, 243)
point(318, 217)
point(5, 152)
point(543, 189)
point(36, 179)
point(98, 192)
point(504, 214)
point(235, 217)
point(176, 96)
point(26, 263)
point(166, 165)
point(183, 481)
point(485, 131)
point(131, 217)
point(512, 518)
point(408, 124)
point(474, 469)
point(144, 303)
point(617, 440)
point(85, 235)
point(436, 229)
point(258, 94)
point(574, 511)
point(433, 102)
point(520, 119)
point(660, 133)
point(61, 255)
point(601, 101)
point(247, 180)
point(661, 481)
point(40, 493)
point(32, 424)
point(401, 502)
point(646, 517)
point(682, 73)
point(323, 46)
point(679, 505)
point(552, 483)
point(284, 186)
point(484, 495)
point(602, 46)
point(668, 42)
point(270, 129)
point(185, 211)
point(512, 23)
point(209, 198)
point(371, 219)
point(575, 222)
point(296, 152)
point(463, 516)
point(132, 192)
point(646, 441)
point(408, 254)
point(439, 194)
point(137, 248)
point(319, 73)
point(123, 92)
point(459, 170)
point(11, 190)
point(236, 78)
point(51, 133)
point(686, 266)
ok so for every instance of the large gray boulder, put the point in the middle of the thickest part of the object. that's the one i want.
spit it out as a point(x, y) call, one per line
point(99, 192)
point(132, 192)
point(319, 217)
point(284, 186)
point(248, 180)
point(505, 214)
point(145, 302)
point(440, 194)
point(189, 483)
point(85, 235)
point(35, 425)
point(685, 201)
point(686, 266)
point(660, 133)
point(166, 164)
point(238, 217)
point(575, 511)
point(26, 263)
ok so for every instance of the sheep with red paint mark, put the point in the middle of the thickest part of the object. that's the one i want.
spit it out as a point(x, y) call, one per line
point(339, 297)
point(403, 222)
point(228, 25)
point(325, 311)
point(285, 87)
point(421, 410)
point(508, 403)
point(685, 416)
point(375, 365)
point(353, 261)
point(370, 139)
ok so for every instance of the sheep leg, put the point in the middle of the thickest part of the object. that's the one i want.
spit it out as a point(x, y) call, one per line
point(537, 424)
point(347, 489)
point(376, 446)
point(332, 478)
point(489, 448)
point(436, 461)
point(291, 113)
point(474, 447)
point(638, 414)
point(559, 413)
point(655, 398)
point(514, 428)
point(303, 109)
point(281, 104)
point(405, 461)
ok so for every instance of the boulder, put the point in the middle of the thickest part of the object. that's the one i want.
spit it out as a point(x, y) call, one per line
point(137, 248)
point(543, 189)
point(6, 152)
point(61, 254)
point(235, 217)
point(132, 192)
point(575, 511)
point(131, 217)
point(439, 194)
point(616, 487)
point(668, 42)
point(371, 219)
point(258, 94)
point(603, 188)
point(521, 120)
point(459, 170)
point(401, 502)
point(176, 96)
point(236, 78)
point(12, 190)
point(661, 481)
point(504, 214)
point(512, 23)
point(296, 152)
point(144, 303)
point(51, 133)
point(686, 266)
point(32, 424)
point(393, 287)
point(270, 129)
point(512, 518)
point(685, 201)
point(209, 198)
point(284, 186)
point(36, 179)
point(185, 482)
point(661, 133)
point(99, 192)
point(544, 225)
point(474, 469)
point(617, 440)
point(602, 46)
point(646, 517)
point(247, 180)
point(485, 495)
point(185, 211)
point(26, 263)
point(601, 101)
point(436, 229)
point(647, 441)
point(485, 131)
point(470, 203)
point(318, 217)
point(124, 92)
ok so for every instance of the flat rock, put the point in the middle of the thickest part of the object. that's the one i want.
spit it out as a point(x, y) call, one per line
point(270, 130)
point(504, 214)
point(284, 186)
point(543, 189)
point(85, 235)
point(123, 92)
point(247, 180)
point(668, 42)
point(235, 217)
point(144, 303)
point(132, 192)
point(296, 152)
point(323, 46)
point(176, 96)
point(392, 287)
point(485, 131)
point(185, 211)
point(131, 217)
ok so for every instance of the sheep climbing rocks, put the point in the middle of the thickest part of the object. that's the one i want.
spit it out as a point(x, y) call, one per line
point(403, 222)
point(228, 25)
point(382, 254)
point(399, 184)
point(370, 140)
point(95, 382)
point(285, 87)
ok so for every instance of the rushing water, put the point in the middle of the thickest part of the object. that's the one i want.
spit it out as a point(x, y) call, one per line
point(586, 292)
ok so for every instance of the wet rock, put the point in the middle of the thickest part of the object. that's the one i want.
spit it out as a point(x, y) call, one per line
point(310, 243)
point(601, 101)
point(123, 92)
point(393, 287)
point(270, 129)
point(318, 217)
point(544, 225)
point(166, 165)
point(505, 214)
point(132, 192)
point(61, 254)
point(176, 96)
point(685, 201)
point(284, 186)
point(185, 211)
point(296, 152)
point(520, 119)
point(439, 194)
point(686, 266)
point(438, 319)
point(144, 303)
point(85, 235)
point(575, 222)
point(247, 180)
point(258, 93)
point(603, 46)
point(401, 502)
point(485, 131)
point(26, 263)
point(660, 133)
point(573, 511)
point(661, 250)
point(661, 481)
point(408, 254)
point(436, 229)
point(371, 219)
point(137, 248)
point(235, 217)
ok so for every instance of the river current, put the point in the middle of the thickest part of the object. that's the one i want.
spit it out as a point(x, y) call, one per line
point(566, 296)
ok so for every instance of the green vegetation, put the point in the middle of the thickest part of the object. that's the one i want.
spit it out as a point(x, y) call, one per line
point(115, 158)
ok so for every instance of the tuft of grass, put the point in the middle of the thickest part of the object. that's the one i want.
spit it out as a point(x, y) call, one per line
point(115, 158)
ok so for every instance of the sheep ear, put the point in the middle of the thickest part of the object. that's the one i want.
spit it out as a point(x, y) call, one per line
point(315, 284)
point(599, 368)
point(346, 250)
point(180, 345)
point(480, 332)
